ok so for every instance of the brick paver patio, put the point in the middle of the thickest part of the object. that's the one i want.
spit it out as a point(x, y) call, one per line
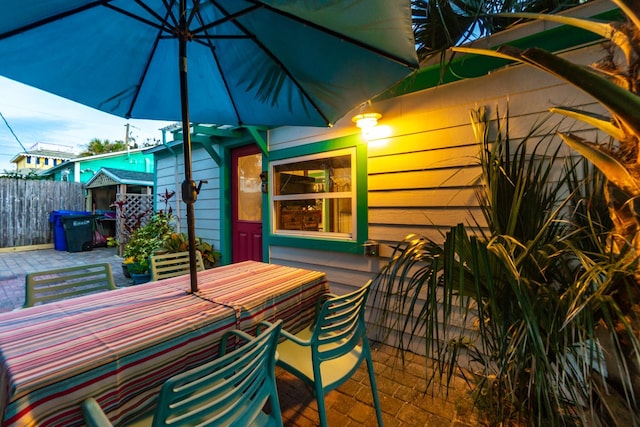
point(401, 388)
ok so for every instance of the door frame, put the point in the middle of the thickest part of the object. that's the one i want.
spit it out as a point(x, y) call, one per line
point(241, 150)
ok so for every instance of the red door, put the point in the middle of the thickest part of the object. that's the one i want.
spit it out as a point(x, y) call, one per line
point(246, 227)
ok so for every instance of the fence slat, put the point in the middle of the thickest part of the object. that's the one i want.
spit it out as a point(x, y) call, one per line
point(25, 206)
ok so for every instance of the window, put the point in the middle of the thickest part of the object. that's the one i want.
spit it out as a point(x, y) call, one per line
point(315, 195)
point(318, 196)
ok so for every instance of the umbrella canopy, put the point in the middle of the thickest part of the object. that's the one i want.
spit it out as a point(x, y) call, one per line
point(244, 62)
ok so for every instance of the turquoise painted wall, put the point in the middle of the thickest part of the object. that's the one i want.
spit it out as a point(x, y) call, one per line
point(134, 161)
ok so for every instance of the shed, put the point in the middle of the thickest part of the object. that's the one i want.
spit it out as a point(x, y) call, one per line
point(111, 185)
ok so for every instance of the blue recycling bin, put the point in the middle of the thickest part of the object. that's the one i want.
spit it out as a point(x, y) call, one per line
point(59, 235)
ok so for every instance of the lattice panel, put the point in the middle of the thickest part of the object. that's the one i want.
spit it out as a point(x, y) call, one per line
point(132, 211)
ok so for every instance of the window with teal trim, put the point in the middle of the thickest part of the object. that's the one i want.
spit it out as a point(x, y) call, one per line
point(315, 195)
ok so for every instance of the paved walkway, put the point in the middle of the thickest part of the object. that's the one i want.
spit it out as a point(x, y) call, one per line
point(401, 389)
point(14, 266)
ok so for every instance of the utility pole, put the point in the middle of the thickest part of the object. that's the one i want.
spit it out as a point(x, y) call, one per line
point(126, 137)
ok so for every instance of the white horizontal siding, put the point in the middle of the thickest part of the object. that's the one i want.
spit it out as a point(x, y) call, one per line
point(422, 179)
point(170, 175)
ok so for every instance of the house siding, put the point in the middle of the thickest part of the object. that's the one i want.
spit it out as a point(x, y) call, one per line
point(169, 176)
point(422, 179)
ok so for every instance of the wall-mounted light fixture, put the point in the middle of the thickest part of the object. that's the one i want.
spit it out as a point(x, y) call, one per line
point(366, 119)
point(264, 181)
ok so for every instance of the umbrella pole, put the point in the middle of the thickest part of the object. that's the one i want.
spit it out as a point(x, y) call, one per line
point(189, 193)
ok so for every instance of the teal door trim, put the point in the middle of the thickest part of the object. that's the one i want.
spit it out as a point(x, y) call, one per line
point(225, 205)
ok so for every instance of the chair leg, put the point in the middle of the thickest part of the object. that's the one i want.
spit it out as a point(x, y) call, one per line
point(322, 411)
point(372, 382)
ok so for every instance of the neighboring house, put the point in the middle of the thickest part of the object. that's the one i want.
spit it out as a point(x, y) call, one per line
point(41, 156)
point(82, 169)
point(330, 192)
point(108, 174)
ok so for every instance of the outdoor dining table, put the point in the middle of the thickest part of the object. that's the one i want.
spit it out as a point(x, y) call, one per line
point(120, 346)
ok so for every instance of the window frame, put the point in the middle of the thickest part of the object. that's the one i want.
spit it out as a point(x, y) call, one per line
point(359, 190)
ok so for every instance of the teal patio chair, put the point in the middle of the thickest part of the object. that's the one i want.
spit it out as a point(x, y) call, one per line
point(53, 285)
point(329, 352)
point(229, 391)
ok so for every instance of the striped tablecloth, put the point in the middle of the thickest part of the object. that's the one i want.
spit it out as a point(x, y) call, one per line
point(120, 346)
point(257, 291)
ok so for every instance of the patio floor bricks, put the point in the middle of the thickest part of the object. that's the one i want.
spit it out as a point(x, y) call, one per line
point(401, 388)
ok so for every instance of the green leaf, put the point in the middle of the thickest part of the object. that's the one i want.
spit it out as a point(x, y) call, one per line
point(615, 172)
point(606, 30)
point(485, 52)
point(623, 104)
point(597, 120)
point(603, 29)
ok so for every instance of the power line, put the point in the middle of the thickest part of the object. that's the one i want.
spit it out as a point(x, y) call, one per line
point(12, 132)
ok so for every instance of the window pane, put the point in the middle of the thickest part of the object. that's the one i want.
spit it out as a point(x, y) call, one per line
point(324, 215)
point(313, 195)
point(323, 175)
point(249, 192)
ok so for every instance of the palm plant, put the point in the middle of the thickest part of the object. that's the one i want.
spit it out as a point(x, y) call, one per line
point(517, 306)
point(97, 146)
point(614, 83)
point(440, 24)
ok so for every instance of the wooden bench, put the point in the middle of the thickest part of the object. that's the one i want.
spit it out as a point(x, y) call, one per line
point(173, 264)
point(52, 285)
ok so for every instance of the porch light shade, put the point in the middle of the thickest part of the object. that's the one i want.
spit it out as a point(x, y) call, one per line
point(366, 121)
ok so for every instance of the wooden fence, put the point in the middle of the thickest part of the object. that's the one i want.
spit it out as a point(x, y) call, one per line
point(25, 207)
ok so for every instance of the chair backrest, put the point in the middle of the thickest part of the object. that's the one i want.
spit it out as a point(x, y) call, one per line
point(230, 390)
point(52, 285)
point(173, 264)
point(340, 325)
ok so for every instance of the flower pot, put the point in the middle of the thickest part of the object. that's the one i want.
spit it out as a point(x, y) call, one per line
point(139, 278)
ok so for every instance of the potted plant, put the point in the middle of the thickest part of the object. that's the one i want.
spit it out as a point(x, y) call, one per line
point(144, 242)
point(138, 270)
point(178, 242)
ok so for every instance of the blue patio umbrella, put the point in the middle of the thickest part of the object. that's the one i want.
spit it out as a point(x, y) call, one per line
point(228, 62)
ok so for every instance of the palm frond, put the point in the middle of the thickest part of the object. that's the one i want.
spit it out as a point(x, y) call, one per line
point(596, 120)
point(521, 308)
